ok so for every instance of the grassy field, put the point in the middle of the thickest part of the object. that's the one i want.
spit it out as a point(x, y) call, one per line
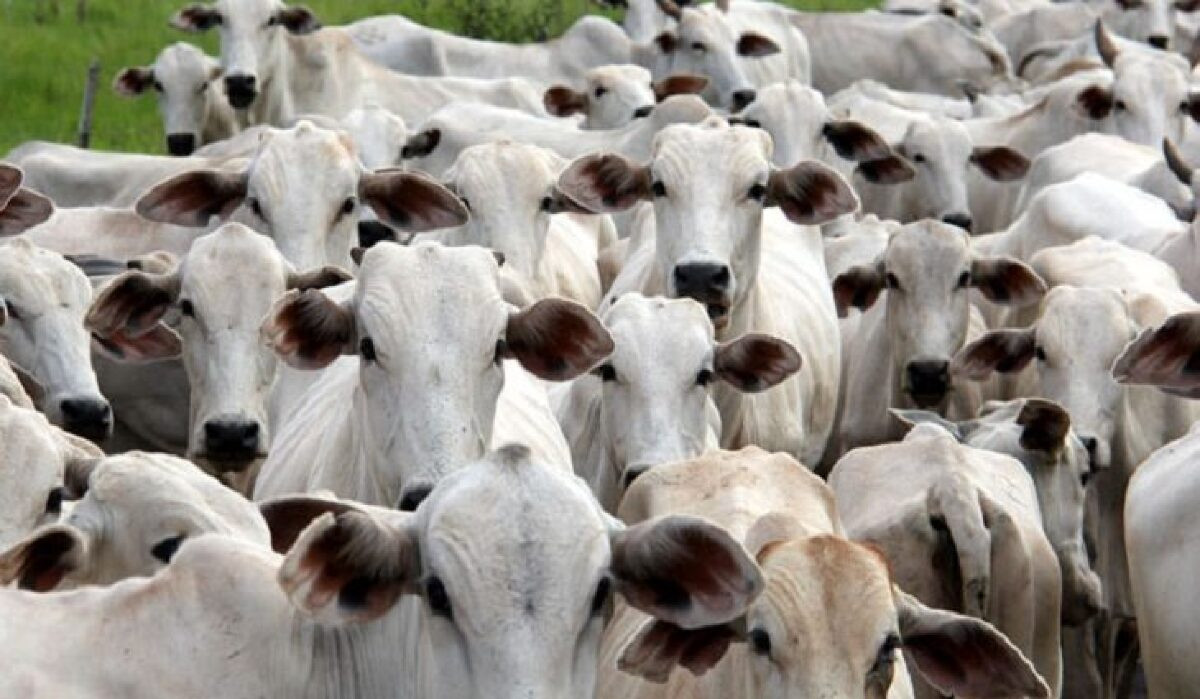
point(44, 54)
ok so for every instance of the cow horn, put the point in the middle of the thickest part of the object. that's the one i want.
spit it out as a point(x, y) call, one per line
point(1105, 44)
point(670, 9)
point(1175, 161)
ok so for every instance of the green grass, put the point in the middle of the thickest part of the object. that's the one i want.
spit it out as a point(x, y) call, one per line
point(44, 59)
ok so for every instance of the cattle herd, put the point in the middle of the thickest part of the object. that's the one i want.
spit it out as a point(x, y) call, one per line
point(731, 352)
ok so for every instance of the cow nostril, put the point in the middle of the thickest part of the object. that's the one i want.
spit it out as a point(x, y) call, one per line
point(231, 440)
point(181, 143)
point(742, 99)
point(413, 497)
point(1159, 41)
point(642, 112)
point(963, 221)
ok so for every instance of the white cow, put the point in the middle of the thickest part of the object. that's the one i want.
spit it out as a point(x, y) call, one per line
point(432, 332)
point(36, 460)
point(613, 96)
point(904, 343)
point(962, 529)
point(649, 403)
point(221, 290)
point(828, 621)
point(277, 64)
point(133, 513)
point(940, 105)
point(45, 297)
point(191, 102)
point(710, 185)
point(459, 126)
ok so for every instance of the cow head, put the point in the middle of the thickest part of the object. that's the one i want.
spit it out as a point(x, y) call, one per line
point(134, 512)
point(1148, 21)
point(709, 184)
point(928, 271)
point(432, 332)
point(181, 79)
point(252, 32)
point(614, 95)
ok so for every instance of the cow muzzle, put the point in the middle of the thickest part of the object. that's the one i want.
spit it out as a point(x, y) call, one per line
point(231, 443)
point(241, 90)
point(90, 418)
point(181, 143)
point(927, 382)
point(707, 283)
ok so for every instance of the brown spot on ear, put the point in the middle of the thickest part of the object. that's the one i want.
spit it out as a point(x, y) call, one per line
point(1000, 163)
point(755, 45)
point(1167, 356)
point(892, 169)
point(855, 141)
point(132, 82)
point(10, 179)
point(298, 19)
point(132, 304)
point(857, 287)
point(288, 516)
point(318, 278)
point(605, 183)
point(47, 561)
point(196, 18)
point(999, 350)
point(557, 340)
point(309, 330)
point(24, 210)
point(411, 201)
point(810, 193)
point(1095, 101)
point(678, 85)
point(1045, 425)
point(421, 144)
point(192, 198)
point(660, 646)
point(756, 362)
point(563, 101)
point(1007, 281)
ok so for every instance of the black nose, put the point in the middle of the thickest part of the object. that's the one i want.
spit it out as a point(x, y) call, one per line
point(87, 417)
point(371, 232)
point(241, 90)
point(742, 99)
point(963, 221)
point(928, 381)
point(1159, 41)
point(231, 439)
point(181, 143)
point(412, 497)
point(642, 112)
point(702, 281)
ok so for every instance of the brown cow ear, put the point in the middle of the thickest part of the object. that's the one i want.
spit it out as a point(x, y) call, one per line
point(1167, 356)
point(318, 278)
point(562, 101)
point(131, 82)
point(858, 287)
point(156, 344)
point(297, 19)
point(1044, 424)
point(1000, 163)
point(855, 141)
point(891, 169)
point(10, 181)
point(196, 18)
point(192, 198)
point(289, 515)
point(755, 45)
point(132, 303)
point(421, 144)
point(678, 85)
point(40, 561)
point(1004, 351)
point(756, 362)
point(410, 201)
point(810, 193)
point(556, 339)
point(605, 183)
point(1094, 101)
point(660, 646)
point(24, 210)
point(1007, 281)
point(308, 330)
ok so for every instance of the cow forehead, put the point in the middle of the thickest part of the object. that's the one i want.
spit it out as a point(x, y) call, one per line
point(506, 165)
point(615, 76)
point(40, 278)
point(790, 100)
point(181, 62)
point(235, 250)
point(939, 133)
point(247, 9)
point(671, 329)
point(1093, 318)
point(712, 149)
point(305, 153)
point(928, 246)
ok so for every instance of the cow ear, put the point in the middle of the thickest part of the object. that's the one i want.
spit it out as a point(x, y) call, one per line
point(196, 18)
point(289, 515)
point(318, 278)
point(131, 82)
point(1167, 356)
point(859, 287)
point(1176, 163)
point(297, 19)
point(1105, 45)
point(24, 210)
point(1000, 163)
point(192, 198)
point(685, 571)
point(678, 85)
point(421, 144)
point(562, 101)
point(40, 561)
point(660, 646)
point(156, 344)
point(1094, 102)
point(556, 339)
point(562, 204)
point(350, 567)
point(963, 656)
point(755, 45)
point(891, 169)
point(1007, 281)
point(912, 418)
point(1193, 107)
point(666, 42)
point(999, 350)
point(410, 201)
point(132, 303)
point(755, 362)
point(1187, 5)
point(810, 193)
point(1044, 425)
point(308, 330)
point(855, 141)
point(10, 181)
point(605, 183)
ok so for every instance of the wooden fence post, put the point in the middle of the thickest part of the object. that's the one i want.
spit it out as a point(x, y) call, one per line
point(89, 102)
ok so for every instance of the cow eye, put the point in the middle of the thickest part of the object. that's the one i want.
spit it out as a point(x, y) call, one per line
point(272, 21)
point(752, 123)
point(757, 191)
point(12, 310)
point(918, 158)
point(891, 282)
point(348, 206)
point(54, 501)
point(606, 372)
point(186, 308)
point(158, 86)
point(366, 349)
point(256, 207)
point(501, 350)
point(697, 46)
point(600, 92)
point(704, 378)
point(1119, 105)
point(439, 601)
point(166, 548)
point(659, 189)
point(1039, 353)
point(1185, 107)
point(547, 203)
point(964, 280)
point(760, 641)
point(600, 599)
